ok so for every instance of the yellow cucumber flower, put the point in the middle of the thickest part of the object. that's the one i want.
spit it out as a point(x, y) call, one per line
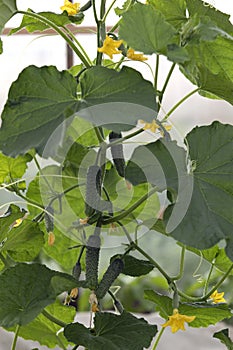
point(17, 222)
point(217, 297)
point(70, 8)
point(110, 46)
point(176, 321)
point(153, 126)
point(135, 56)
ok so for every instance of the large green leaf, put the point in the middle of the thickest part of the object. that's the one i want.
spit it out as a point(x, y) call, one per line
point(206, 314)
point(174, 11)
point(116, 100)
point(201, 8)
point(224, 338)
point(161, 163)
point(209, 216)
point(146, 30)
point(24, 242)
point(7, 10)
point(25, 290)
point(113, 332)
point(38, 102)
point(43, 330)
point(33, 24)
point(211, 66)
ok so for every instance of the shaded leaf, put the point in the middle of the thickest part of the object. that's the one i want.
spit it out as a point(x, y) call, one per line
point(12, 169)
point(25, 290)
point(123, 331)
point(206, 314)
point(38, 102)
point(44, 331)
point(134, 266)
point(24, 242)
point(160, 163)
point(8, 219)
point(209, 215)
point(224, 338)
point(116, 100)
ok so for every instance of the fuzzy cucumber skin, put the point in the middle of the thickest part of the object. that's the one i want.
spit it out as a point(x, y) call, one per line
point(117, 153)
point(93, 190)
point(112, 272)
point(92, 261)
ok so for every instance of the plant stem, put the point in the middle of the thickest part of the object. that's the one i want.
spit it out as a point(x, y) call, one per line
point(53, 319)
point(180, 274)
point(13, 347)
point(208, 278)
point(108, 10)
point(218, 284)
point(156, 73)
point(153, 262)
point(41, 173)
point(60, 32)
point(158, 338)
point(126, 232)
point(179, 103)
point(78, 44)
point(165, 84)
point(128, 211)
point(29, 201)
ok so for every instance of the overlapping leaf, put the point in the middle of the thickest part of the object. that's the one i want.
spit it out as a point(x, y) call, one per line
point(146, 30)
point(116, 100)
point(208, 218)
point(123, 331)
point(33, 24)
point(25, 290)
point(206, 314)
point(38, 102)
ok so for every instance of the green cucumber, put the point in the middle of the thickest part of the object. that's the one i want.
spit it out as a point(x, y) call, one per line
point(117, 153)
point(49, 219)
point(112, 272)
point(93, 190)
point(92, 261)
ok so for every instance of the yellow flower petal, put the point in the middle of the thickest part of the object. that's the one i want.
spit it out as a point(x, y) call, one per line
point(110, 46)
point(217, 297)
point(70, 8)
point(135, 56)
point(17, 222)
point(51, 238)
point(177, 320)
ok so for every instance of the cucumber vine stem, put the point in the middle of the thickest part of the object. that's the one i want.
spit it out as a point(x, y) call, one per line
point(158, 338)
point(59, 31)
point(53, 319)
point(165, 85)
point(13, 347)
point(180, 274)
point(128, 211)
point(179, 103)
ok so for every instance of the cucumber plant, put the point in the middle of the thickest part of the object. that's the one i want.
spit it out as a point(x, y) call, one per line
point(121, 186)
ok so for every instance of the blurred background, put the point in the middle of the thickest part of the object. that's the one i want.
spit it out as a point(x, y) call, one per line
point(21, 50)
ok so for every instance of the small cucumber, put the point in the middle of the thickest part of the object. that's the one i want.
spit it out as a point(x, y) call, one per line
point(113, 271)
point(49, 219)
point(77, 269)
point(117, 153)
point(93, 190)
point(92, 261)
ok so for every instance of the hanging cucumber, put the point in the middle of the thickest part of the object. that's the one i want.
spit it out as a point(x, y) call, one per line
point(117, 153)
point(113, 271)
point(92, 261)
point(49, 219)
point(93, 190)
